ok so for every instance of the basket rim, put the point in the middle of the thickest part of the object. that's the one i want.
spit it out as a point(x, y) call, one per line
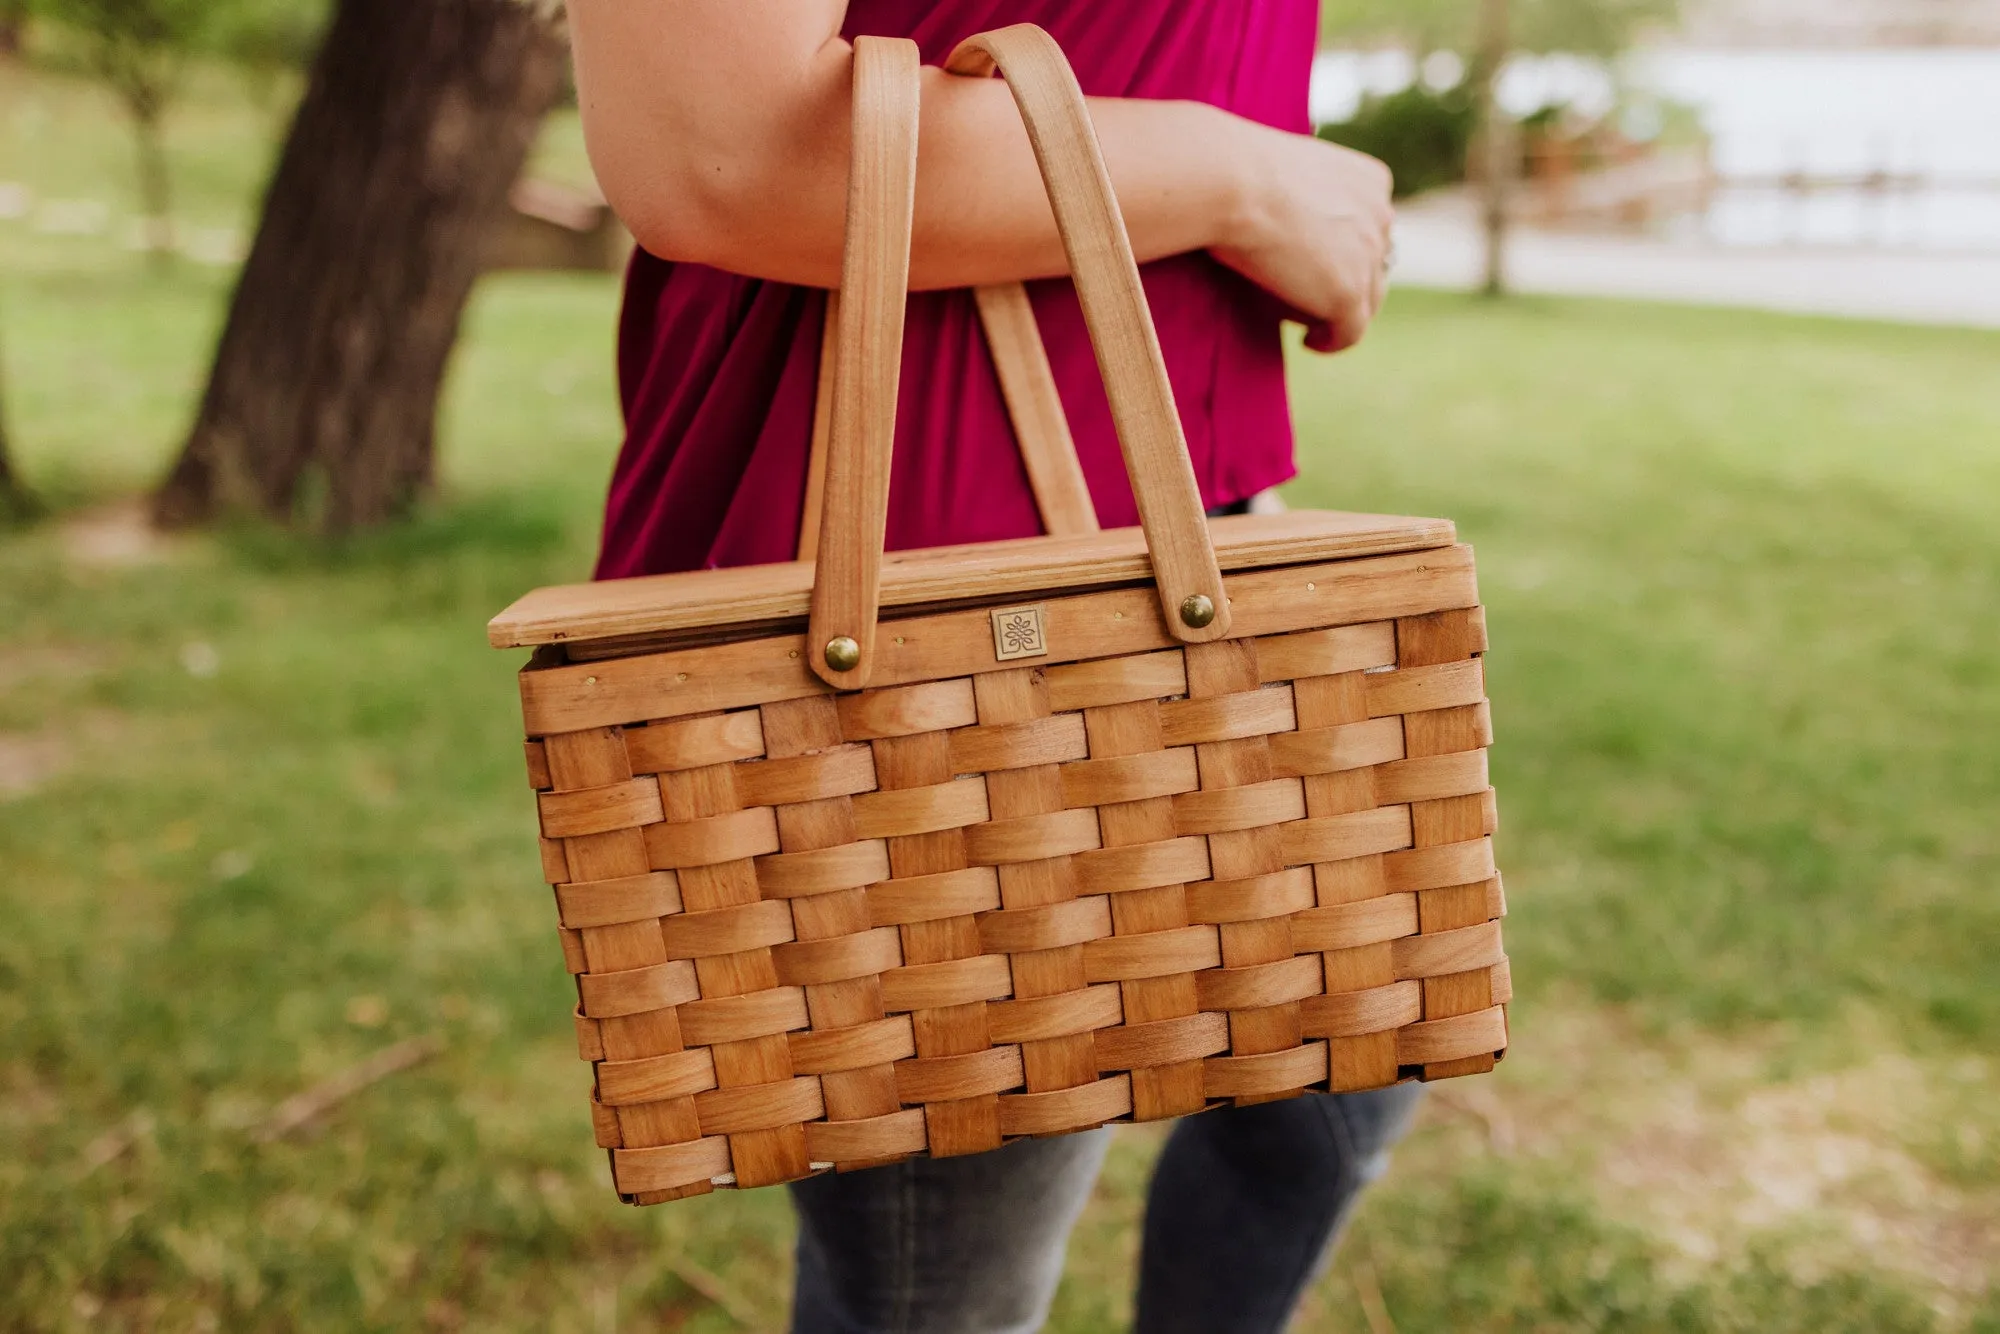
point(762, 594)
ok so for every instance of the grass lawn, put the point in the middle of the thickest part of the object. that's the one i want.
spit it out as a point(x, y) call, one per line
point(262, 815)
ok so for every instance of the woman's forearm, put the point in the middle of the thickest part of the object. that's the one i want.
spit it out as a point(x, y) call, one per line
point(740, 160)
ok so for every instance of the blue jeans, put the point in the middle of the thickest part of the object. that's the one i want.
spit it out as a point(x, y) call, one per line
point(1243, 1210)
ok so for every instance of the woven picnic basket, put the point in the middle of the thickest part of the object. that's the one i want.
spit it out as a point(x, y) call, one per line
point(859, 859)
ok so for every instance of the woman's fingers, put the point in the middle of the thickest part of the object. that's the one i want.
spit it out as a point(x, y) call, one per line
point(1317, 236)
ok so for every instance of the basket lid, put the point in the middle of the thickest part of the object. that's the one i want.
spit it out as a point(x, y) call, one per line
point(759, 594)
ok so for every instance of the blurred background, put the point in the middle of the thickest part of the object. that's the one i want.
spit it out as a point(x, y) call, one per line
point(306, 316)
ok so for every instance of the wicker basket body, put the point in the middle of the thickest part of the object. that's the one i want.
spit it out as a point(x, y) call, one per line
point(1051, 866)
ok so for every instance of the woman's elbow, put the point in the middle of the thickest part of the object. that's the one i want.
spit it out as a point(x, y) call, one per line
point(764, 213)
point(671, 212)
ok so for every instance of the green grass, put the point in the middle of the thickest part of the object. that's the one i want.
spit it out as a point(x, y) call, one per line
point(261, 814)
point(1754, 559)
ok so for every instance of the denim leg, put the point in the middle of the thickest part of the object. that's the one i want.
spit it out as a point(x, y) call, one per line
point(969, 1245)
point(1247, 1201)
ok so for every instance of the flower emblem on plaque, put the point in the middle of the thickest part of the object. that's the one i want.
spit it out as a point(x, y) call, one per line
point(1017, 633)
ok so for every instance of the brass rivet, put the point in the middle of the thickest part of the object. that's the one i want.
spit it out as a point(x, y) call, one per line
point(1310, 586)
point(590, 680)
point(842, 654)
point(1197, 610)
point(682, 676)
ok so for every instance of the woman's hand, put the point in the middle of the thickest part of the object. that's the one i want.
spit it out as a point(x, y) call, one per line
point(1314, 230)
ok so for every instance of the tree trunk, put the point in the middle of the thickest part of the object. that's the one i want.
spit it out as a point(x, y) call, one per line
point(16, 501)
point(1496, 141)
point(13, 24)
point(156, 189)
point(322, 403)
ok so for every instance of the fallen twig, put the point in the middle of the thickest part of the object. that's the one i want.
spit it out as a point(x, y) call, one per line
point(1482, 1107)
point(1368, 1288)
point(114, 1143)
point(306, 1106)
point(711, 1286)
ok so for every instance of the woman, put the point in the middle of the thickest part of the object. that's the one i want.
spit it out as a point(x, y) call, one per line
point(719, 129)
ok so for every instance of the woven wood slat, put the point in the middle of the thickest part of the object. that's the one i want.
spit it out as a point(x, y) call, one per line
point(1278, 894)
point(630, 898)
point(791, 875)
point(1162, 1042)
point(1359, 1013)
point(1327, 750)
point(948, 982)
point(1019, 745)
point(933, 808)
point(1228, 717)
point(678, 1074)
point(1059, 1111)
point(936, 706)
point(1330, 652)
point(1125, 680)
point(1048, 927)
point(1263, 1076)
point(1062, 1015)
point(1117, 779)
point(839, 772)
point(932, 898)
point(599, 810)
point(876, 1042)
point(873, 1140)
point(759, 1014)
point(692, 743)
point(949, 1078)
point(815, 962)
point(1185, 949)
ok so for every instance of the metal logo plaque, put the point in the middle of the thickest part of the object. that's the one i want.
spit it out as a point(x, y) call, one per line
point(1017, 633)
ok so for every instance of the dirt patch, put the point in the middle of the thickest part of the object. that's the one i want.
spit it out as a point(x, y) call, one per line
point(28, 761)
point(1826, 1159)
point(21, 665)
point(1699, 1146)
point(116, 536)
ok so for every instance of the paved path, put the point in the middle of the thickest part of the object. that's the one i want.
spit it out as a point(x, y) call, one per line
point(1439, 245)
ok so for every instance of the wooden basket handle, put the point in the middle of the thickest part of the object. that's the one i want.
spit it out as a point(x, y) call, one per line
point(1120, 323)
point(854, 482)
point(867, 352)
point(1034, 406)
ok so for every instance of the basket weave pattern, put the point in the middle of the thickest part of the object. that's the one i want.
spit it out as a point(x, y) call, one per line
point(842, 929)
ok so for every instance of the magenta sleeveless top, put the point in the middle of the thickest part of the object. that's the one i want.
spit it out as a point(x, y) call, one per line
point(717, 371)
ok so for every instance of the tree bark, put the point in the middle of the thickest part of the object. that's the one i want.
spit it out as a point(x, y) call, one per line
point(1496, 141)
point(16, 501)
point(322, 402)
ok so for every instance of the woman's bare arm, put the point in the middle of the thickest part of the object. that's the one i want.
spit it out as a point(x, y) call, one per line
point(720, 132)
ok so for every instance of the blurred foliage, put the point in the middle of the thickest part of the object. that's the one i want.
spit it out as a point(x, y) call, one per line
point(1422, 134)
point(1587, 27)
point(167, 32)
point(269, 33)
point(139, 47)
